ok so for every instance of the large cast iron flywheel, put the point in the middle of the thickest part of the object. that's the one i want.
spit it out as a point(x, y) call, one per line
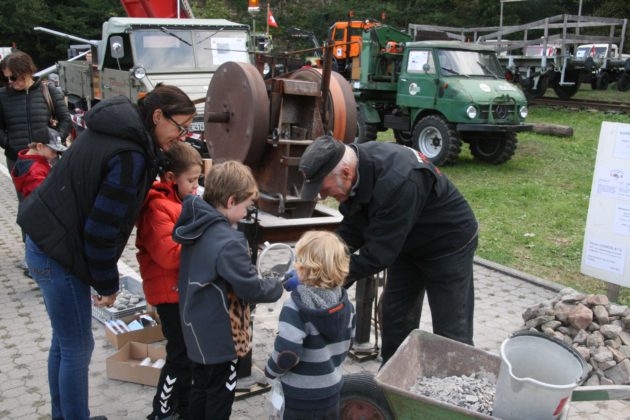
point(236, 114)
point(341, 107)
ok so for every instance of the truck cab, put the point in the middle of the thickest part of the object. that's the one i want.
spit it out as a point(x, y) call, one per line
point(135, 54)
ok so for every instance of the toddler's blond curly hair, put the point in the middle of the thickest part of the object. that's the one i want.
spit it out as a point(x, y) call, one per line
point(321, 260)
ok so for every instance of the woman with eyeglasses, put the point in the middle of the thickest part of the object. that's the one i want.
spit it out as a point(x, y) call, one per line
point(24, 109)
point(79, 219)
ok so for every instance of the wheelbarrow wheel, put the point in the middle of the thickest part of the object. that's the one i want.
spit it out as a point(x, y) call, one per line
point(361, 398)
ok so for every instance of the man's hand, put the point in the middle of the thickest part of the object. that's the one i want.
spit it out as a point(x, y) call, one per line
point(291, 281)
point(104, 301)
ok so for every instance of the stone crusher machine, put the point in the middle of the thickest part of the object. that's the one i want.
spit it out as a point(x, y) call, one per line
point(267, 124)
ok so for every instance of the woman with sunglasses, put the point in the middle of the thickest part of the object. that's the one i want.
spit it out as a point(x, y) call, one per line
point(79, 219)
point(23, 108)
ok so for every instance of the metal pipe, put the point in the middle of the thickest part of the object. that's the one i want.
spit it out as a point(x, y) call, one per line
point(67, 36)
point(325, 88)
point(218, 117)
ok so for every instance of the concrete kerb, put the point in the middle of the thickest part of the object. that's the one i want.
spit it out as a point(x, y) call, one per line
point(545, 284)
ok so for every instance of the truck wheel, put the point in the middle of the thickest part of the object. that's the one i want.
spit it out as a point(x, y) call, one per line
point(361, 398)
point(623, 82)
point(566, 92)
point(532, 92)
point(365, 131)
point(494, 150)
point(437, 140)
point(403, 137)
point(603, 81)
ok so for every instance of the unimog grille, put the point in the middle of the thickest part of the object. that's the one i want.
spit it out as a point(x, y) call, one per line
point(503, 112)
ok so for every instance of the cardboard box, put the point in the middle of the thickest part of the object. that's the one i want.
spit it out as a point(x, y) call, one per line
point(146, 335)
point(124, 365)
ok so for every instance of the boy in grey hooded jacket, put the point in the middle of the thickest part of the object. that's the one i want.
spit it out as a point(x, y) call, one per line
point(217, 283)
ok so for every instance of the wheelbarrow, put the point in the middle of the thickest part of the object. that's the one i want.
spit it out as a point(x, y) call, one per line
point(387, 396)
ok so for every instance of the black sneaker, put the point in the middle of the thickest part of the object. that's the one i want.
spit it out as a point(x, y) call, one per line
point(98, 418)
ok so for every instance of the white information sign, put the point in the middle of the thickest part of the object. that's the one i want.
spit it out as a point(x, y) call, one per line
point(607, 234)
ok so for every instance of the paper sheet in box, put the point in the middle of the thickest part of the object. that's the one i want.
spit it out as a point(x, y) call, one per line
point(146, 335)
point(124, 365)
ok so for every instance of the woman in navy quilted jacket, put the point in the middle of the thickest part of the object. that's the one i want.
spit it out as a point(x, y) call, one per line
point(24, 109)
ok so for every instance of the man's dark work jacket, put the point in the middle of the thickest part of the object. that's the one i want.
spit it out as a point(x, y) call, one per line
point(55, 214)
point(402, 205)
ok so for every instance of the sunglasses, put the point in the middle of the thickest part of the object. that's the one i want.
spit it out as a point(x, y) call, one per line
point(182, 130)
point(13, 78)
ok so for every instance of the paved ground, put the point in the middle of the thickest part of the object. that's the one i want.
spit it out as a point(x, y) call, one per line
point(501, 296)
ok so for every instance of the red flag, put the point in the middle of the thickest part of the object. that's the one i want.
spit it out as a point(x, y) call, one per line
point(271, 21)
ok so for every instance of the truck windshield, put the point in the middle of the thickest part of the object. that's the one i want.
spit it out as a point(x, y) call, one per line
point(596, 52)
point(167, 49)
point(469, 63)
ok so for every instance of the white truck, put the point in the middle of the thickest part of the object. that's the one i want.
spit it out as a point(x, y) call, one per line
point(610, 65)
point(135, 54)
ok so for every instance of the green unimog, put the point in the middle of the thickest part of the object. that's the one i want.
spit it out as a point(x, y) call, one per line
point(436, 95)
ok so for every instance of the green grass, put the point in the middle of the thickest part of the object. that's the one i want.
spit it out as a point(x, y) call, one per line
point(532, 210)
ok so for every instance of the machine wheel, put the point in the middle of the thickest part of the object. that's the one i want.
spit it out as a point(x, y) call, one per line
point(532, 92)
point(603, 80)
point(237, 89)
point(623, 82)
point(361, 398)
point(342, 109)
point(403, 137)
point(365, 131)
point(494, 150)
point(437, 140)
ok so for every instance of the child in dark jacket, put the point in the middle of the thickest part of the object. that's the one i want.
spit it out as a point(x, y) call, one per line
point(217, 284)
point(158, 257)
point(315, 330)
point(33, 164)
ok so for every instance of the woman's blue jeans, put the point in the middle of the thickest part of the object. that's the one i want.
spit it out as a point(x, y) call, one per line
point(69, 307)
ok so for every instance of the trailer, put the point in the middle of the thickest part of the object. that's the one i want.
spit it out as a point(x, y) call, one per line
point(544, 53)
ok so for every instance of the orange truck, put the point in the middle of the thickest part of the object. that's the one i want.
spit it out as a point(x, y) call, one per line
point(347, 39)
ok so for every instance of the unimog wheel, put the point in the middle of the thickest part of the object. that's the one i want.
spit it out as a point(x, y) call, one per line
point(623, 82)
point(603, 80)
point(403, 137)
point(365, 131)
point(495, 150)
point(437, 140)
point(361, 398)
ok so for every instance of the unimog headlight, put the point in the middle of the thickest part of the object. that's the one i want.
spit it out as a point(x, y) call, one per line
point(139, 72)
point(523, 112)
point(471, 111)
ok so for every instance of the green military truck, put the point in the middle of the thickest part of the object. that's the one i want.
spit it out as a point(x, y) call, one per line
point(436, 95)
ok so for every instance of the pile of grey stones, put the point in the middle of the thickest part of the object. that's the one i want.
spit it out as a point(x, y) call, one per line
point(473, 392)
point(127, 300)
point(598, 329)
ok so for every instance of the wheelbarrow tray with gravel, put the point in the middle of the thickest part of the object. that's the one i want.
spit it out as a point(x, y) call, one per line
point(428, 355)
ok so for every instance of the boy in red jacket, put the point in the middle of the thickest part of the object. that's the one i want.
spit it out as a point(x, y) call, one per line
point(33, 164)
point(158, 257)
